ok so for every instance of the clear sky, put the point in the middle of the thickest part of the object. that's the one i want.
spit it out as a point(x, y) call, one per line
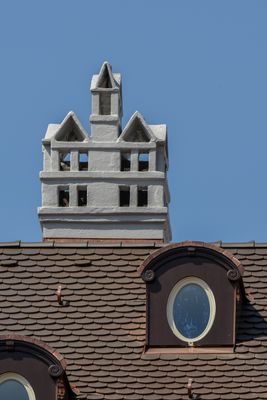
point(198, 66)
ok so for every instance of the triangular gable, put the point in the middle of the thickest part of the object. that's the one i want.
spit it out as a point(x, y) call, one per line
point(137, 130)
point(105, 78)
point(71, 130)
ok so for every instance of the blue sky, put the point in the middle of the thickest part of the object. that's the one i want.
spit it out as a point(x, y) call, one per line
point(198, 66)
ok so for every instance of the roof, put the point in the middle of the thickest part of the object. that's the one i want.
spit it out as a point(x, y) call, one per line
point(101, 334)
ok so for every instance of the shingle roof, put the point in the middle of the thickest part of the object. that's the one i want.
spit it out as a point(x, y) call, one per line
point(101, 334)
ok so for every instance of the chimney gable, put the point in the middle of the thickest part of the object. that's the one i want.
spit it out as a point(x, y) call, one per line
point(137, 130)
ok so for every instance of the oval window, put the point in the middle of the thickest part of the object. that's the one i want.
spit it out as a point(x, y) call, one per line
point(15, 387)
point(191, 309)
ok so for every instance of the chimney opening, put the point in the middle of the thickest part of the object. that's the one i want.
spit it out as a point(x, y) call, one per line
point(64, 161)
point(63, 197)
point(125, 161)
point(82, 197)
point(124, 196)
point(142, 196)
point(83, 161)
point(143, 161)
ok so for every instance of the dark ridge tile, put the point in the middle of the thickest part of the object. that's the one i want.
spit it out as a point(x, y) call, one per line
point(103, 251)
point(66, 251)
point(140, 252)
point(248, 251)
point(85, 252)
point(261, 251)
point(255, 257)
point(48, 251)
point(12, 251)
point(29, 251)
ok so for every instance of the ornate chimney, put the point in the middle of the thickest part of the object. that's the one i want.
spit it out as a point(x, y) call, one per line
point(110, 185)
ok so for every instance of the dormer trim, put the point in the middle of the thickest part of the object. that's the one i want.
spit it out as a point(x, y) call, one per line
point(43, 350)
point(168, 249)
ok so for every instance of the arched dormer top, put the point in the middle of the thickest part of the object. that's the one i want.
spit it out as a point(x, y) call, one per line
point(41, 349)
point(43, 367)
point(190, 247)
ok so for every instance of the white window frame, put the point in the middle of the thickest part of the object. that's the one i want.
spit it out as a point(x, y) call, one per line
point(19, 378)
point(175, 290)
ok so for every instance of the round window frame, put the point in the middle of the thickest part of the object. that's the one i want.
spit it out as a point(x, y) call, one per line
point(19, 378)
point(175, 290)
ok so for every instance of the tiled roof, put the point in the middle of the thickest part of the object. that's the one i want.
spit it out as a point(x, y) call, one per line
point(101, 334)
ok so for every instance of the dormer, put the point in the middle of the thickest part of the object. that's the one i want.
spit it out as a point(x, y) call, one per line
point(195, 293)
point(106, 104)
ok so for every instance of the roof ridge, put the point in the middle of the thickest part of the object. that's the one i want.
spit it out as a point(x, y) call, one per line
point(54, 243)
point(84, 244)
point(233, 245)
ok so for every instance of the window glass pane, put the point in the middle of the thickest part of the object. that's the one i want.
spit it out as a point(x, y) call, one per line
point(191, 310)
point(13, 390)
